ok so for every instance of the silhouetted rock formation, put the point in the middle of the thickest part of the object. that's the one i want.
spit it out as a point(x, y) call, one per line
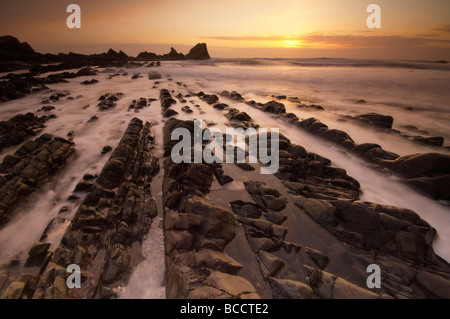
point(11, 46)
point(199, 52)
point(173, 55)
point(147, 56)
point(15, 55)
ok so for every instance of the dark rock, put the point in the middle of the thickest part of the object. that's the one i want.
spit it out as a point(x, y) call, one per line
point(435, 285)
point(274, 217)
point(166, 99)
point(46, 108)
point(87, 82)
point(92, 119)
point(186, 109)
point(265, 196)
point(244, 209)
point(273, 203)
point(147, 56)
point(108, 100)
point(291, 116)
point(313, 125)
point(10, 45)
point(106, 149)
point(86, 72)
point(270, 264)
point(172, 55)
point(436, 187)
point(200, 174)
point(39, 249)
point(245, 166)
point(317, 257)
point(273, 107)
point(15, 130)
point(234, 286)
point(289, 289)
point(209, 98)
point(220, 106)
point(316, 157)
point(373, 152)
point(216, 260)
point(263, 243)
point(39, 160)
point(433, 141)
point(111, 219)
point(233, 95)
point(419, 165)
point(319, 210)
point(198, 52)
point(169, 113)
point(153, 75)
point(221, 177)
point(298, 151)
point(338, 137)
point(377, 120)
point(240, 119)
point(83, 186)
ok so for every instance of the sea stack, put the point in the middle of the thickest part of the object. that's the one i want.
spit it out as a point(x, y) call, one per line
point(199, 52)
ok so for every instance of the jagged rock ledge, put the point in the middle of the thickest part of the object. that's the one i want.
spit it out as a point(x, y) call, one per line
point(428, 173)
point(105, 234)
point(20, 127)
point(30, 166)
point(395, 238)
point(196, 232)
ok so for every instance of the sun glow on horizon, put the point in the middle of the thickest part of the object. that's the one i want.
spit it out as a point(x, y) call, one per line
point(292, 44)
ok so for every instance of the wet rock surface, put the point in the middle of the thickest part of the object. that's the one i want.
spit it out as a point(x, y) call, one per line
point(20, 127)
point(136, 105)
point(18, 85)
point(434, 184)
point(108, 101)
point(377, 120)
point(166, 102)
point(32, 165)
point(103, 237)
point(197, 231)
point(380, 234)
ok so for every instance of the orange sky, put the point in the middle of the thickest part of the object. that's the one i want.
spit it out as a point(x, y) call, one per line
point(411, 29)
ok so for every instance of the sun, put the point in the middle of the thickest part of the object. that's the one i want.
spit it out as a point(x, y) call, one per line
point(291, 44)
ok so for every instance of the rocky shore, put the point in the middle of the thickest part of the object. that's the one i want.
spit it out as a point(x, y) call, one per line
point(104, 235)
point(15, 55)
point(428, 173)
point(229, 232)
point(395, 238)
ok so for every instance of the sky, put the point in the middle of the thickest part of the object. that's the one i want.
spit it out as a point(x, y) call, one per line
point(410, 29)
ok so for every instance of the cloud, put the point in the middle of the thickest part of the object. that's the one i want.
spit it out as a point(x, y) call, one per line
point(344, 40)
point(428, 35)
point(442, 28)
point(369, 41)
point(249, 38)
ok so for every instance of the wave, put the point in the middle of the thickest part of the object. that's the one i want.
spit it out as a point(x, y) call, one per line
point(337, 62)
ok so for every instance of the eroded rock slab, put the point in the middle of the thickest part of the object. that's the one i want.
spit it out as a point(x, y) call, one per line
point(33, 164)
point(197, 231)
point(105, 233)
point(20, 127)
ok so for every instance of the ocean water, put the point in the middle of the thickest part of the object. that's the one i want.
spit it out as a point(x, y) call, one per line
point(388, 87)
